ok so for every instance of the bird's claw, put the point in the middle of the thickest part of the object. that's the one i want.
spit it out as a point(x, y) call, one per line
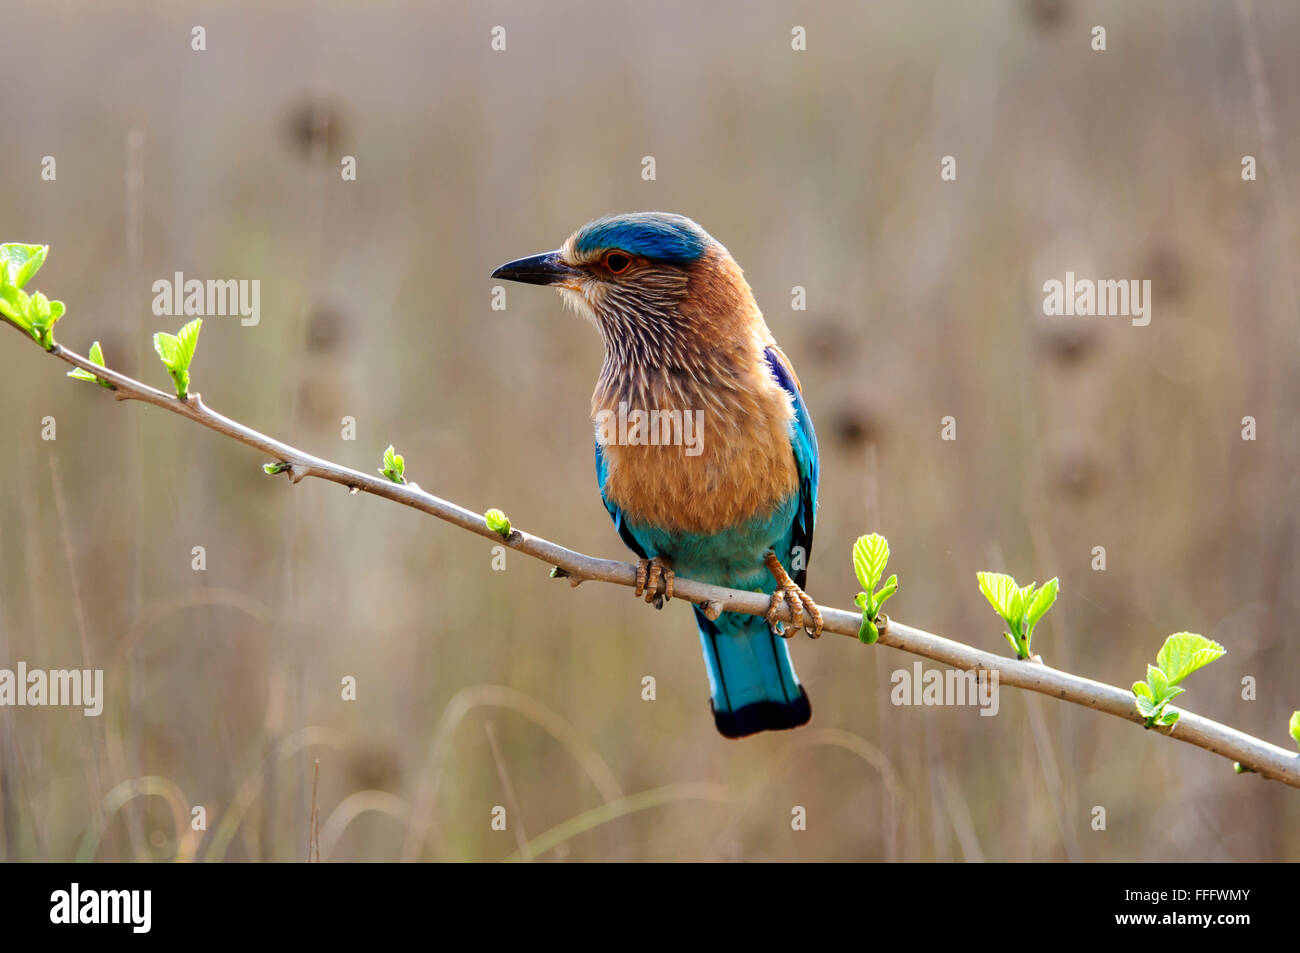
point(649, 573)
point(800, 603)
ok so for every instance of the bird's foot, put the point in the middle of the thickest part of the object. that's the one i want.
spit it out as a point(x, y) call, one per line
point(649, 572)
point(798, 601)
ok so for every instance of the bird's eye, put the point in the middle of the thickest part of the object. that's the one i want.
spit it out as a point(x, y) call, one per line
point(617, 262)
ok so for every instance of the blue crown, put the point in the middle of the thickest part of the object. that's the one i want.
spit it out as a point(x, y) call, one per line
point(659, 236)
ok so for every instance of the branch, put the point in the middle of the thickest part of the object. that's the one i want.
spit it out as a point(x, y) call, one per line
point(1253, 754)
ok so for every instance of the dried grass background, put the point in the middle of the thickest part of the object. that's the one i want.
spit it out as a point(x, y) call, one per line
point(478, 688)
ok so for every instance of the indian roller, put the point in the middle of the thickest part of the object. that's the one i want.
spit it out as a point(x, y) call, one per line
point(734, 505)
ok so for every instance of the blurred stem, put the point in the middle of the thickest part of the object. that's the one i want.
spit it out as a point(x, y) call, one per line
point(604, 813)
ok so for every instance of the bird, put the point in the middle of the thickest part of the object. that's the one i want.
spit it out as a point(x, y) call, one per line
point(706, 455)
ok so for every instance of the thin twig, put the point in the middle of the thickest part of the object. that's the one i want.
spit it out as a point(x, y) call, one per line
point(1259, 756)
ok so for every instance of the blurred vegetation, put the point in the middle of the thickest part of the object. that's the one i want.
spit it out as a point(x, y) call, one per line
point(817, 169)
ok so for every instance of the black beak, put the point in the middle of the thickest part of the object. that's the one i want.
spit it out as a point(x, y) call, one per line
point(544, 269)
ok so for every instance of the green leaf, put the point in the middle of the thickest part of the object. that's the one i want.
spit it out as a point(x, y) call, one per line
point(497, 521)
point(1041, 600)
point(1159, 684)
point(15, 305)
point(1294, 726)
point(1000, 590)
point(40, 310)
point(1145, 706)
point(18, 262)
point(394, 465)
point(861, 600)
point(1185, 652)
point(1019, 600)
point(888, 589)
point(867, 632)
point(1142, 690)
point(274, 468)
point(1168, 717)
point(177, 351)
point(168, 348)
point(187, 339)
point(870, 554)
point(42, 313)
point(96, 357)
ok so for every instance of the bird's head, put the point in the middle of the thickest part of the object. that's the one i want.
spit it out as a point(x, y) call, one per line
point(649, 281)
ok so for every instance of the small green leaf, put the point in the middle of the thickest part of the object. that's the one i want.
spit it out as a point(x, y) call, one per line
point(15, 305)
point(1011, 601)
point(1040, 601)
point(394, 465)
point(1185, 652)
point(870, 555)
point(177, 351)
point(168, 348)
point(18, 262)
point(1019, 600)
point(1000, 590)
point(42, 313)
point(274, 468)
point(187, 340)
point(1182, 654)
point(497, 521)
point(888, 589)
point(1159, 684)
point(1294, 726)
point(96, 356)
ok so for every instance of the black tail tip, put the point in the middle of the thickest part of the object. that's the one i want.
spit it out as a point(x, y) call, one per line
point(763, 716)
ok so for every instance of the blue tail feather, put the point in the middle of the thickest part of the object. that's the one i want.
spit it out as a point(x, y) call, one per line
point(752, 683)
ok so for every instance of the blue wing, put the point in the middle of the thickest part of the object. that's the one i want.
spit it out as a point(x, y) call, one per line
point(803, 440)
